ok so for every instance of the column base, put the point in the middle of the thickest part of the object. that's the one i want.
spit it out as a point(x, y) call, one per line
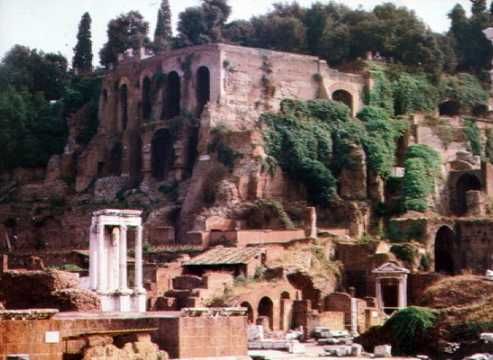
point(124, 304)
point(140, 300)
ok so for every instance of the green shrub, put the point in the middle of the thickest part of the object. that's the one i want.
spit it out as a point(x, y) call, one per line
point(409, 326)
point(422, 167)
point(488, 148)
point(405, 252)
point(466, 89)
point(473, 135)
point(414, 93)
point(399, 232)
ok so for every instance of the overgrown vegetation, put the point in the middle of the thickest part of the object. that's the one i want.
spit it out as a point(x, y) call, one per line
point(473, 135)
point(422, 168)
point(405, 252)
point(409, 326)
point(312, 141)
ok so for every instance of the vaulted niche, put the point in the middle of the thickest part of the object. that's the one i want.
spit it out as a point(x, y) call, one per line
point(146, 99)
point(173, 95)
point(162, 154)
point(124, 106)
point(203, 88)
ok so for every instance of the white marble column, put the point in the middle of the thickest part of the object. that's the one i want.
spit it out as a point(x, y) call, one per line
point(123, 288)
point(93, 256)
point(378, 292)
point(403, 291)
point(102, 266)
point(113, 264)
point(138, 282)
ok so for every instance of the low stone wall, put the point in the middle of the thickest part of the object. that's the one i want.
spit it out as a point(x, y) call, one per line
point(255, 237)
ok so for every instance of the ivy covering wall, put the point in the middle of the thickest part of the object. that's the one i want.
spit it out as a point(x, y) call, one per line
point(311, 142)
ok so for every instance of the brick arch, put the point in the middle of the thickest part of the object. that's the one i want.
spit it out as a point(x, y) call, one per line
point(265, 308)
point(348, 89)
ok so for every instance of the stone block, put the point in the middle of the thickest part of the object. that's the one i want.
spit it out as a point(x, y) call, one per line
point(383, 351)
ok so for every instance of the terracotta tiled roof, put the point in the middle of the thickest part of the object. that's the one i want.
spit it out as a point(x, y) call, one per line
point(226, 256)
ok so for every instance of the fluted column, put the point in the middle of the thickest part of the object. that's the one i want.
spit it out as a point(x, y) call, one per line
point(123, 259)
point(403, 291)
point(93, 256)
point(102, 266)
point(138, 261)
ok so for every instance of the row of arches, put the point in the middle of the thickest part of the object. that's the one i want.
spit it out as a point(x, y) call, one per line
point(171, 96)
point(266, 310)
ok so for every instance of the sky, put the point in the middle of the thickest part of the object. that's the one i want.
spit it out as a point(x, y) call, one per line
point(51, 25)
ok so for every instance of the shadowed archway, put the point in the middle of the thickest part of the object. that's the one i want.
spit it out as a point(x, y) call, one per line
point(162, 154)
point(266, 308)
point(203, 88)
point(444, 249)
point(464, 184)
point(345, 97)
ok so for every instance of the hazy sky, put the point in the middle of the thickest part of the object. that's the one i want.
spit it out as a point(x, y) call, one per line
point(51, 25)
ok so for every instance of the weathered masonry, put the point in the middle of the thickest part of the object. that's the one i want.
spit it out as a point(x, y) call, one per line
point(156, 113)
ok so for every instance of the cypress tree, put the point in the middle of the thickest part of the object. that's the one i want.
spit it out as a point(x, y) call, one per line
point(164, 32)
point(82, 60)
point(478, 7)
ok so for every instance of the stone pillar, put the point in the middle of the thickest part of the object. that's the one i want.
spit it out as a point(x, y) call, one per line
point(93, 256)
point(311, 222)
point(378, 292)
point(139, 291)
point(123, 290)
point(403, 292)
point(138, 259)
point(102, 266)
point(113, 263)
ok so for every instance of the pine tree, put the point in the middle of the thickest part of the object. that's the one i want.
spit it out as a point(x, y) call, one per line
point(478, 7)
point(82, 60)
point(164, 33)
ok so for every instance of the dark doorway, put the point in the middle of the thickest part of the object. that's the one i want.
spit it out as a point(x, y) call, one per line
point(449, 108)
point(173, 95)
point(146, 99)
point(162, 154)
point(444, 247)
point(266, 308)
point(135, 157)
point(390, 295)
point(249, 311)
point(115, 163)
point(465, 183)
point(203, 88)
point(343, 96)
point(124, 106)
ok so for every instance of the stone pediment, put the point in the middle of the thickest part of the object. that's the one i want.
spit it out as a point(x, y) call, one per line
point(390, 268)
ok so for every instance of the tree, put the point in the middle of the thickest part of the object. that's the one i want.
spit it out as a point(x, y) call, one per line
point(478, 7)
point(203, 24)
point(128, 31)
point(82, 60)
point(164, 33)
point(34, 71)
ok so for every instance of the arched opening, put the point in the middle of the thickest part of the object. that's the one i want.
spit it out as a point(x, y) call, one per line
point(465, 183)
point(173, 95)
point(449, 108)
point(146, 99)
point(343, 96)
point(135, 157)
point(105, 96)
point(203, 88)
point(249, 313)
point(444, 247)
point(124, 106)
point(115, 163)
point(266, 309)
point(162, 154)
